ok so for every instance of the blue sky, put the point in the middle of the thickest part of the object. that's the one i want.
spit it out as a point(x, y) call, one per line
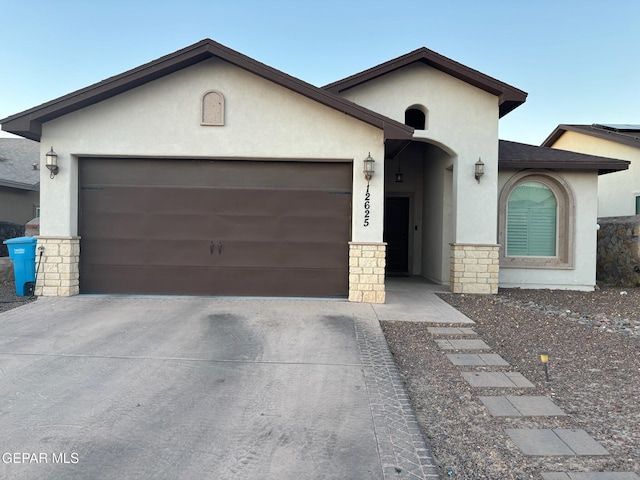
point(579, 60)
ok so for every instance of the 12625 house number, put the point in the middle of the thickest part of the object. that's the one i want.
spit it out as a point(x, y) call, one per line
point(367, 204)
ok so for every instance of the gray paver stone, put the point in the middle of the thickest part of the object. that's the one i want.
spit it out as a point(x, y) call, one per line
point(450, 331)
point(496, 379)
point(521, 406)
point(580, 442)
point(453, 344)
point(477, 359)
point(539, 442)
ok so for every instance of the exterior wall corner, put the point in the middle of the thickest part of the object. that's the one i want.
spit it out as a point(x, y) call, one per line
point(367, 261)
point(57, 266)
point(474, 268)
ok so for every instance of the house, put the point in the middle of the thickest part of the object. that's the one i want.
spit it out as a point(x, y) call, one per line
point(207, 172)
point(19, 180)
point(618, 193)
point(19, 185)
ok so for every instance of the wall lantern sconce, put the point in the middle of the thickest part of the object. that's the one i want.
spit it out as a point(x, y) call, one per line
point(368, 167)
point(479, 169)
point(399, 175)
point(544, 358)
point(52, 162)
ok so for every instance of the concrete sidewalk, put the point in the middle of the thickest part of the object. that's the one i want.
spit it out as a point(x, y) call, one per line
point(182, 388)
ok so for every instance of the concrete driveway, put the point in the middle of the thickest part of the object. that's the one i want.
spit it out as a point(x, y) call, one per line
point(186, 388)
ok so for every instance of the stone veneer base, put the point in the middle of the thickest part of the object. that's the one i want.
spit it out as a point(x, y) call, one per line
point(367, 262)
point(57, 268)
point(474, 268)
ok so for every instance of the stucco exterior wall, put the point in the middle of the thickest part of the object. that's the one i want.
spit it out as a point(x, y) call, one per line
point(463, 121)
point(583, 275)
point(162, 119)
point(616, 191)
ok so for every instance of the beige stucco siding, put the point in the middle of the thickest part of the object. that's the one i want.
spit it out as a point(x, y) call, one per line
point(162, 119)
point(616, 191)
point(463, 121)
point(583, 275)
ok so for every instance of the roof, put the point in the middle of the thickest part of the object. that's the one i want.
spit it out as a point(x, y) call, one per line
point(624, 134)
point(28, 124)
point(520, 156)
point(510, 97)
point(17, 158)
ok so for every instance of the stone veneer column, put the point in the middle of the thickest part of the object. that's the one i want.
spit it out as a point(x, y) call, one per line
point(474, 268)
point(366, 272)
point(58, 274)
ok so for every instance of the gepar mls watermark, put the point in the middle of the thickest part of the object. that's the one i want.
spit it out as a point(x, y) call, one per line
point(40, 457)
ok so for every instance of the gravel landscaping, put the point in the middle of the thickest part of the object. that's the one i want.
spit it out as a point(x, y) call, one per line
point(9, 299)
point(594, 343)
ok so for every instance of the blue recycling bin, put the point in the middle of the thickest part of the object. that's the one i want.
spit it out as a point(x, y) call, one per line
point(22, 251)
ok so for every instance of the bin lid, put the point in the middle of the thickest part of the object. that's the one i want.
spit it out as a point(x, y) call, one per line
point(20, 240)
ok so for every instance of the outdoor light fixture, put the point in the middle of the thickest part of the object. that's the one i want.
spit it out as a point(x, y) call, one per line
point(544, 358)
point(52, 162)
point(479, 169)
point(368, 167)
point(399, 176)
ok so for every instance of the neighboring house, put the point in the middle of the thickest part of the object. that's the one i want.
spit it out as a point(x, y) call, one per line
point(619, 193)
point(19, 180)
point(207, 172)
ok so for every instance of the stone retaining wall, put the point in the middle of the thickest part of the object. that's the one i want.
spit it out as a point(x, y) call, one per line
point(618, 258)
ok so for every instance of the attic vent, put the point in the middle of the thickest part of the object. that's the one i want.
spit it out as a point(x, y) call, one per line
point(416, 117)
point(212, 108)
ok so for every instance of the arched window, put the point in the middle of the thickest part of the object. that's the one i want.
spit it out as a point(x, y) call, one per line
point(536, 221)
point(532, 213)
point(416, 118)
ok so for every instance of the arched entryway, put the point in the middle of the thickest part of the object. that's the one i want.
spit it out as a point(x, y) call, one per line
point(418, 225)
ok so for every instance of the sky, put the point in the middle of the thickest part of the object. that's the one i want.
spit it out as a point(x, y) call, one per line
point(579, 60)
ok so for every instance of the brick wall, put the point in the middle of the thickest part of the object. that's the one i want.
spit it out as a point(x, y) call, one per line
point(474, 268)
point(58, 274)
point(366, 272)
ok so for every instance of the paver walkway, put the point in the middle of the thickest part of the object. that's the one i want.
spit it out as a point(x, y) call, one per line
point(423, 305)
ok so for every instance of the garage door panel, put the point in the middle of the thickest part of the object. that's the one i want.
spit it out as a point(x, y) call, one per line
point(201, 281)
point(197, 253)
point(148, 227)
point(215, 173)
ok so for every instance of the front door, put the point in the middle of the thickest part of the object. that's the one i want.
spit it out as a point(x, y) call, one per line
point(396, 234)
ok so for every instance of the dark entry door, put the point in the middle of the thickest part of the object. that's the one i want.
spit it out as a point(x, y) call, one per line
point(396, 234)
point(200, 227)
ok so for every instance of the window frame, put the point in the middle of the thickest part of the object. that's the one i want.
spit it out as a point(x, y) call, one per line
point(565, 217)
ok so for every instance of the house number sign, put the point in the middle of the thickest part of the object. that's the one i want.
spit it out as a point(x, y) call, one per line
point(367, 204)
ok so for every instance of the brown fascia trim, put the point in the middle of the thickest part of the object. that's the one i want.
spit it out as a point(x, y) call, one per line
point(510, 97)
point(520, 156)
point(593, 132)
point(28, 124)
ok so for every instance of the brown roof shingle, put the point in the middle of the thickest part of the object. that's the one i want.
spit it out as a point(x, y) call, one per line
point(520, 156)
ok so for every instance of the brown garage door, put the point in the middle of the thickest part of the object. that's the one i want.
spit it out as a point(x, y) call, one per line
point(202, 227)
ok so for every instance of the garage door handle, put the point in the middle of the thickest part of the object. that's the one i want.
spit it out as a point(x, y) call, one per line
point(220, 248)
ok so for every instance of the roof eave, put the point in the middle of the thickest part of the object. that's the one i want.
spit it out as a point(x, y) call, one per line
point(20, 185)
point(611, 167)
point(510, 97)
point(28, 124)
